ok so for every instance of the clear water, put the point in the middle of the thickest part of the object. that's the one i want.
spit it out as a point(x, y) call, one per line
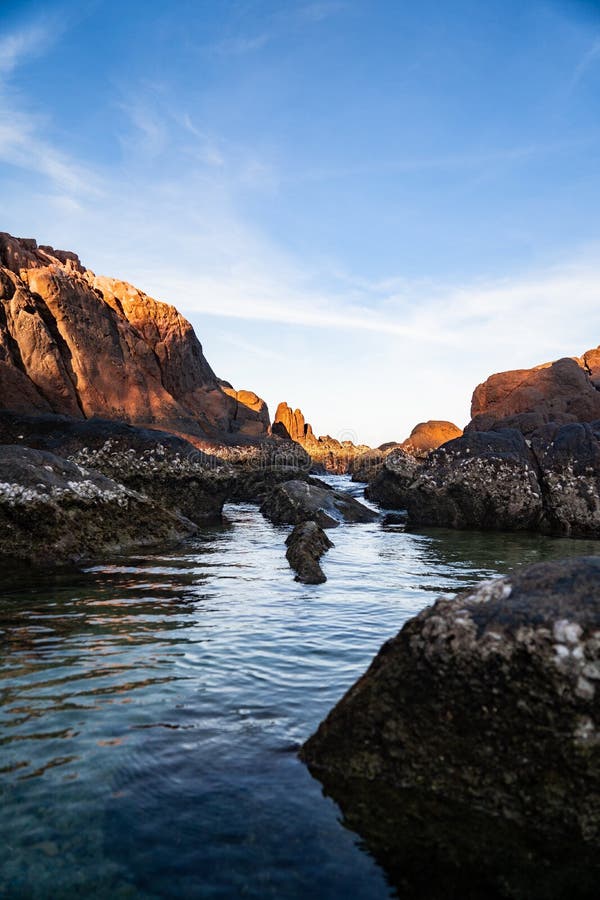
point(151, 709)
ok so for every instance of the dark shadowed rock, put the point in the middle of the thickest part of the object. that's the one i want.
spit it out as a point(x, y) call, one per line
point(481, 480)
point(390, 484)
point(476, 732)
point(55, 511)
point(306, 545)
point(166, 468)
point(300, 501)
point(570, 479)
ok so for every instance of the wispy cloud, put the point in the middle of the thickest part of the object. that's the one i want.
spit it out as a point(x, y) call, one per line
point(589, 58)
point(22, 140)
point(20, 45)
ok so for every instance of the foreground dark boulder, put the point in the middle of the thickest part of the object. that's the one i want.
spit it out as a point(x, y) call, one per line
point(483, 480)
point(55, 511)
point(305, 546)
point(300, 501)
point(473, 740)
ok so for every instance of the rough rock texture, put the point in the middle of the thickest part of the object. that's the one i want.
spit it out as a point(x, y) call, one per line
point(570, 479)
point(306, 545)
point(160, 465)
point(249, 400)
point(390, 484)
point(562, 392)
point(54, 511)
point(490, 701)
point(84, 346)
point(428, 436)
point(296, 501)
point(481, 480)
point(327, 453)
point(498, 480)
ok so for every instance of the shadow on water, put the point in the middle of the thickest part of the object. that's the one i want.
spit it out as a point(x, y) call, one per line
point(433, 849)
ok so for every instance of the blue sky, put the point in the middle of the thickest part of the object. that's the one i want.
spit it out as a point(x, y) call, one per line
point(364, 208)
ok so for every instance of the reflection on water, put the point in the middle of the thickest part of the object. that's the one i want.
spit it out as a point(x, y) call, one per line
point(150, 708)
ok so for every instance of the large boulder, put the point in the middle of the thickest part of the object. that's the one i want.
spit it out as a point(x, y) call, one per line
point(481, 480)
point(55, 511)
point(564, 391)
point(301, 501)
point(389, 485)
point(77, 344)
point(305, 546)
point(473, 740)
point(428, 436)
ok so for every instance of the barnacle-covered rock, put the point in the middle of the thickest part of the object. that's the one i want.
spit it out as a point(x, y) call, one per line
point(53, 511)
point(473, 740)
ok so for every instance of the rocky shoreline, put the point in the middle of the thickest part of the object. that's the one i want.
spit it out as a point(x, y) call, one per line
point(116, 435)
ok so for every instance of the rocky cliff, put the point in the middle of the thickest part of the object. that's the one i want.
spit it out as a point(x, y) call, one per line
point(82, 345)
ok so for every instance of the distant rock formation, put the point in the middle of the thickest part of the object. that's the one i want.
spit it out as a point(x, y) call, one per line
point(428, 436)
point(327, 452)
point(289, 423)
point(561, 392)
point(81, 345)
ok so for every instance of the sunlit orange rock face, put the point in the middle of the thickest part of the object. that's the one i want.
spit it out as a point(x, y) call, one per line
point(561, 392)
point(326, 451)
point(428, 436)
point(82, 345)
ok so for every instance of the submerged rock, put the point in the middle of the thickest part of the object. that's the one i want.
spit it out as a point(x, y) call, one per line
point(485, 707)
point(306, 545)
point(300, 501)
point(55, 511)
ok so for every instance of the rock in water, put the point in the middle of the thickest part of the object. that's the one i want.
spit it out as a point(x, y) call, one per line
point(306, 545)
point(490, 704)
point(55, 511)
point(481, 480)
point(299, 501)
point(390, 484)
